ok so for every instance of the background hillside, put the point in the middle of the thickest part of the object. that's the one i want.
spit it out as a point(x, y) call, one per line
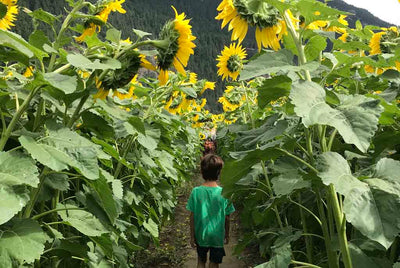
point(150, 15)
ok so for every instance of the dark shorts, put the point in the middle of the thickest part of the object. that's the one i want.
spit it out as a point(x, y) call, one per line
point(216, 254)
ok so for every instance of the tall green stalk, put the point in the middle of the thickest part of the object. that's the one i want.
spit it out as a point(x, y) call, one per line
point(337, 212)
point(7, 133)
point(309, 241)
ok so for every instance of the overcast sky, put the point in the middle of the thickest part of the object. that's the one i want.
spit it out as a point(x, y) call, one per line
point(387, 10)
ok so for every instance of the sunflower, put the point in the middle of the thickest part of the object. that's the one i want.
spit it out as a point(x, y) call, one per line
point(127, 95)
point(230, 62)
point(178, 33)
point(193, 78)
point(90, 30)
point(378, 41)
point(342, 20)
point(92, 26)
point(28, 72)
point(10, 10)
point(325, 24)
point(112, 6)
point(227, 105)
point(208, 85)
point(101, 92)
point(257, 13)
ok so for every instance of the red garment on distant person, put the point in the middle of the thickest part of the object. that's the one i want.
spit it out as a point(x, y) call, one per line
point(209, 147)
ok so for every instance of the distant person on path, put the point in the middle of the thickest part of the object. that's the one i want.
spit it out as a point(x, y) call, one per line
point(209, 217)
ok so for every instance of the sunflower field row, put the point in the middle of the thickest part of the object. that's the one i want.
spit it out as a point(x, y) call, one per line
point(311, 148)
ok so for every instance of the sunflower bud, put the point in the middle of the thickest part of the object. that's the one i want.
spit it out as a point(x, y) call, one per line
point(130, 64)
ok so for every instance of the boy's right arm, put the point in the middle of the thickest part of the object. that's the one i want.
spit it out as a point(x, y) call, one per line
point(192, 237)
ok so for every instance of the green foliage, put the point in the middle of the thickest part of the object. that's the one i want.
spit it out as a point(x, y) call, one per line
point(85, 181)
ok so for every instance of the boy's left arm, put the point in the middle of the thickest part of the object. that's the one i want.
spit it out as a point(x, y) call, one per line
point(192, 236)
point(227, 226)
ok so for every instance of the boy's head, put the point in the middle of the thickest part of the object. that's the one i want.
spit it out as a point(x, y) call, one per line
point(211, 166)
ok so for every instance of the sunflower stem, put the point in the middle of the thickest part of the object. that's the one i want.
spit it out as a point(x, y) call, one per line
point(7, 133)
point(298, 42)
point(248, 105)
point(64, 27)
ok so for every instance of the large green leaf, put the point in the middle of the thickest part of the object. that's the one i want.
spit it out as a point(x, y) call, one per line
point(147, 141)
point(54, 153)
point(152, 227)
point(65, 83)
point(273, 62)
point(271, 129)
point(361, 259)
point(282, 255)
point(272, 89)
point(285, 184)
point(83, 221)
point(15, 41)
point(104, 197)
point(81, 61)
point(63, 147)
point(235, 169)
point(314, 46)
point(314, 10)
point(371, 207)
point(12, 200)
point(17, 169)
point(356, 118)
point(23, 242)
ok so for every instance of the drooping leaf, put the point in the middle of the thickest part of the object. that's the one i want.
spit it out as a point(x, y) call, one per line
point(113, 35)
point(44, 16)
point(59, 154)
point(361, 259)
point(370, 207)
point(147, 141)
point(272, 89)
point(12, 200)
point(271, 129)
point(356, 118)
point(285, 184)
point(57, 181)
point(235, 169)
point(24, 241)
point(152, 227)
point(282, 256)
point(273, 62)
point(97, 124)
point(38, 38)
point(15, 41)
point(65, 83)
point(17, 169)
point(312, 11)
point(140, 33)
point(83, 221)
point(314, 46)
point(81, 61)
point(104, 197)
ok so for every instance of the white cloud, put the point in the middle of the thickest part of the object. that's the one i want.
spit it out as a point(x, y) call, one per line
point(387, 10)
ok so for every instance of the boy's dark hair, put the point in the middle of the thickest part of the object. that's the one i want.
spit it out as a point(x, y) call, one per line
point(211, 166)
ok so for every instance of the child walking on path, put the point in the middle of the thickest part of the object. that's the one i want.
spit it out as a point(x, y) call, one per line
point(209, 217)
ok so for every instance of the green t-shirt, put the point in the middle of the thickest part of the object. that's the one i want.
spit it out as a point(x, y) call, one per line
point(209, 209)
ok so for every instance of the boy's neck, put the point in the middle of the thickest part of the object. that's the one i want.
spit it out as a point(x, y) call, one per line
point(210, 183)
